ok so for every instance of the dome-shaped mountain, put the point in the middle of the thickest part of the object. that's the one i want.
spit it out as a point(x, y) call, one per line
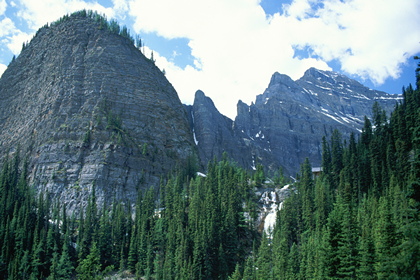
point(88, 109)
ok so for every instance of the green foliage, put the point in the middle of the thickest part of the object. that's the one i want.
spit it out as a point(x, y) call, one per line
point(90, 267)
point(111, 25)
point(358, 220)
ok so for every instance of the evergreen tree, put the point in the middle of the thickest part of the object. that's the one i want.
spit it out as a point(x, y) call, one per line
point(385, 237)
point(90, 267)
point(264, 261)
point(65, 268)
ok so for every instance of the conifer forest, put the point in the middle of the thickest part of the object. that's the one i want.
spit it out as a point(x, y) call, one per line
point(359, 219)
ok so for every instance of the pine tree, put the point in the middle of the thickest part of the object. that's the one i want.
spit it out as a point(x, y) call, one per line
point(54, 265)
point(249, 270)
point(90, 267)
point(385, 240)
point(65, 268)
point(236, 274)
point(103, 238)
point(293, 265)
point(366, 246)
point(306, 192)
point(336, 157)
point(264, 261)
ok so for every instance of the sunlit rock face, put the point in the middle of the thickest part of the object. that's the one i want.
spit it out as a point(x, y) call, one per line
point(88, 109)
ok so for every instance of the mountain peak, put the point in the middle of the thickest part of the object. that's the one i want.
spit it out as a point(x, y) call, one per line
point(199, 94)
point(320, 75)
point(89, 109)
point(278, 78)
point(201, 99)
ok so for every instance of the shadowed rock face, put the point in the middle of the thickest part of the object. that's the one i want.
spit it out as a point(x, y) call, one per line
point(213, 132)
point(88, 109)
point(287, 122)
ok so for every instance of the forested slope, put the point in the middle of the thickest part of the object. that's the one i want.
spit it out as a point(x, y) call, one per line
point(359, 219)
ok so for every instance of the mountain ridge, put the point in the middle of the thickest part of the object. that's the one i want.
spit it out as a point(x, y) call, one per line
point(288, 120)
point(89, 110)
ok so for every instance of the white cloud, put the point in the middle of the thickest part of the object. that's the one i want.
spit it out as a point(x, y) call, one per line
point(299, 9)
point(369, 38)
point(6, 27)
point(38, 13)
point(237, 47)
point(12, 37)
point(3, 6)
point(16, 41)
point(2, 69)
point(120, 8)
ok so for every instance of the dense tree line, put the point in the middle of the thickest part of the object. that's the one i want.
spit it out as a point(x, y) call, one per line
point(194, 228)
point(358, 220)
point(111, 25)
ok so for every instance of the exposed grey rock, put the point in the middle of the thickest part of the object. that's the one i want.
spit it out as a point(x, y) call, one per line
point(287, 122)
point(213, 132)
point(89, 109)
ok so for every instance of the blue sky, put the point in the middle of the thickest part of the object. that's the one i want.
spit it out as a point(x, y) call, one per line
point(230, 48)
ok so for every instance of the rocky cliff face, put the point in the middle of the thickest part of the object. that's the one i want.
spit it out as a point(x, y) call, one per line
point(89, 109)
point(287, 122)
point(214, 133)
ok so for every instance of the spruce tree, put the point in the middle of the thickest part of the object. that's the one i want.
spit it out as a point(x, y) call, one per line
point(65, 268)
point(90, 267)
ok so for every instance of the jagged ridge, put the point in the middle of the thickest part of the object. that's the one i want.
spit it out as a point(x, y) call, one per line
point(287, 122)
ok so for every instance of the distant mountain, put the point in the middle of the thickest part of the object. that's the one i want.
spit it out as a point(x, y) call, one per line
point(88, 109)
point(287, 122)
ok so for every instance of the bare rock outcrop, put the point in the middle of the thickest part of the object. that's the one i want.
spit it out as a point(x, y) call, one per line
point(88, 109)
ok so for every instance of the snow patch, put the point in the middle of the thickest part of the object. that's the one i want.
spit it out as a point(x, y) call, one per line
point(253, 165)
point(259, 134)
point(313, 93)
point(323, 87)
point(193, 130)
point(201, 174)
point(398, 97)
point(195, 138)
point(361, 96)
point(332, 117)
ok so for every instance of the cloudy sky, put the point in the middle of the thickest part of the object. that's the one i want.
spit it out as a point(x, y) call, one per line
point(230, 48)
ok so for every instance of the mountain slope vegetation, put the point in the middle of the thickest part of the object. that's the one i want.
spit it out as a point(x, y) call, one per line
point(359, 219)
